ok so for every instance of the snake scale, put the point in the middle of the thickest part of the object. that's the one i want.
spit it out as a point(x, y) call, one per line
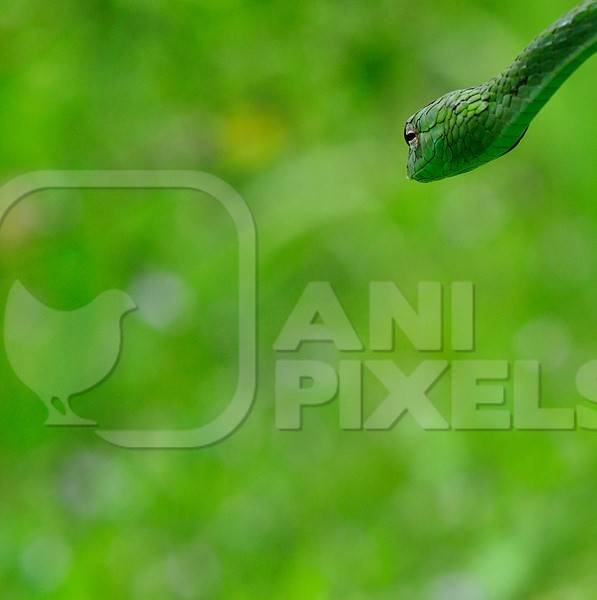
point(467, 128)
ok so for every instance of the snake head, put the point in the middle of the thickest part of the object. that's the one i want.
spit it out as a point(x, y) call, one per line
point(445, 138)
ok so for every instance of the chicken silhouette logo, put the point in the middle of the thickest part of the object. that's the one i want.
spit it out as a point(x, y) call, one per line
point(59, 354)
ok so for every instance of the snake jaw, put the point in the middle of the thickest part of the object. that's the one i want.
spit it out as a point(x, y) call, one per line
point(427, 155)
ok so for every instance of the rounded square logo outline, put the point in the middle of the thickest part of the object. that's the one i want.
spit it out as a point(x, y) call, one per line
point(238, 409)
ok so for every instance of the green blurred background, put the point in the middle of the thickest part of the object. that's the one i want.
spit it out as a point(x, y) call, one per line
point(300, 107)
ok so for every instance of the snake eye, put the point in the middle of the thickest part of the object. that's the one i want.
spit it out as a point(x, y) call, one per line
point(409, 134)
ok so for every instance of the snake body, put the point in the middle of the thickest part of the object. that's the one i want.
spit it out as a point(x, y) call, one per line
point(467, 128)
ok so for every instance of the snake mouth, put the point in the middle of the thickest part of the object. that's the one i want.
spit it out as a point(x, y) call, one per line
point(416, 175)
point(416, 170)
point(431, 166)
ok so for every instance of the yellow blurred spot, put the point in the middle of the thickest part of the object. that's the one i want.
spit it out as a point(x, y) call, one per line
point(253, 136)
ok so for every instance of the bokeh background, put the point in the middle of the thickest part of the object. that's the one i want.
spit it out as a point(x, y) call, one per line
point(300, 107)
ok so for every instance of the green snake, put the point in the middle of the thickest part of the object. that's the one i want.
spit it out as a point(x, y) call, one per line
point(467, 128)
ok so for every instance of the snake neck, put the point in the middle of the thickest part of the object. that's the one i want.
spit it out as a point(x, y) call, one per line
point(528, 83)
